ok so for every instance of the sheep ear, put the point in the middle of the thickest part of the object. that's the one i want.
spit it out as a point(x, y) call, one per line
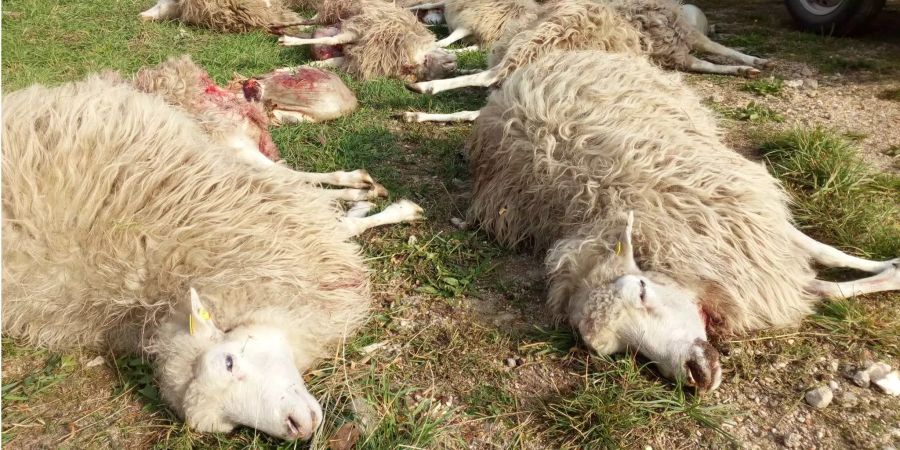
point(200, 323)
point(624, 248)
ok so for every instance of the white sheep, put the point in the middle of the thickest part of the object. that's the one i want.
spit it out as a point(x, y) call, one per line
point(657, 231)
point(484, 21)
point(665, 35)
point(234, 122)
point(237, 16)
point(125, 230)
point(384, 40)
point(564, 25)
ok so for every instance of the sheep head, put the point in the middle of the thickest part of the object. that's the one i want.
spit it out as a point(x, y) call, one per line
point(218, 380)
point(162, 10)
point(436, 64)
point(650, 313)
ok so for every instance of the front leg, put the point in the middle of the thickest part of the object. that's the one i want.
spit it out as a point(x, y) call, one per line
point(701, 66)
point(344, 37)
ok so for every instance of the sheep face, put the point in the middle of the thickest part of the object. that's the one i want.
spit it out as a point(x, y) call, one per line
point(246, 376)
point(163, 10)
point(650, 313)
point(437, 63)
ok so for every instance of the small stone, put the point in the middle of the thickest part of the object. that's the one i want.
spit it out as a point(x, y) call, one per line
point(861, 378)
point(834, 365)
point(810, 93)
point(95, 362)
point(792, 440)
point(889, 384)
point(848, 400)
point(878, 371)
point(779, 365)
point(793, 84)
point(806, 72)
point(510, 362)
point(810, 83)
point(412, 240)
point(833, 385)
point(458, 223)
point(819, 397)
point(716, 98)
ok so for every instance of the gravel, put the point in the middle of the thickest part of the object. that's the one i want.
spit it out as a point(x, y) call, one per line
point(819, 397)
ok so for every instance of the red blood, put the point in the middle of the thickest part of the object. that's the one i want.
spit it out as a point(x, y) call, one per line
point(322, 52)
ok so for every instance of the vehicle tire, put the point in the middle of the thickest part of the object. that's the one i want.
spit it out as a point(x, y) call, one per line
point(833, 17)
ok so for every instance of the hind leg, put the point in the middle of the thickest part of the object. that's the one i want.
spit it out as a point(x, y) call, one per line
point(401, 211)
point(708, 45)
point(829, 256)
point(701, 66)
point(887, 280)
point(462, 116)
point(454, 36)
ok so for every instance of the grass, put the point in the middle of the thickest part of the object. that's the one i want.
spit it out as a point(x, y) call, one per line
point(764, 86)
point(618, 403)
point(753, 112)
point(450, 308)
point(836, 194)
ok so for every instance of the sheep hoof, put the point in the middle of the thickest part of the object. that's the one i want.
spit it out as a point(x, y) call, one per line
point(418, 87)
point(409, 117)
point(378, 191)
point(407, 210)
point(764, 63)
point(749, 72)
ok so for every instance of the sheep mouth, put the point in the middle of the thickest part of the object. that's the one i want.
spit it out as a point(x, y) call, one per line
point(293, 427)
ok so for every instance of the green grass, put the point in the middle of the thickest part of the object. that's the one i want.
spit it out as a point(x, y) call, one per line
point(617, 403)
point(431, 338)
point(753, 112)
point(837, 196)
point(764, 86)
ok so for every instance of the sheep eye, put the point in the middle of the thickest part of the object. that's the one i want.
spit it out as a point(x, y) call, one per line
point(229, 362)
point(643, 290)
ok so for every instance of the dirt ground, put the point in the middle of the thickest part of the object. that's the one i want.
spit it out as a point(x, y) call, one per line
point(461, 353)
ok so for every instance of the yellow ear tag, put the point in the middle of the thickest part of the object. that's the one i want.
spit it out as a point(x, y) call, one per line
point(618, 248)
point(203, 313)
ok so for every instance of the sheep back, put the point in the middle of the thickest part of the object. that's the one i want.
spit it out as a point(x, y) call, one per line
point(489, 19)
point(390, 39)
point(566, 25)
point(665, 32)
point(218, 111)
point(115, 202)
point(236, 16)
point(569, 144)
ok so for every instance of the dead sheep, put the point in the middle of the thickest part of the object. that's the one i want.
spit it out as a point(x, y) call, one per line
point(384, 40)
point(125, 229)
point(235, 16)
point(657, 233)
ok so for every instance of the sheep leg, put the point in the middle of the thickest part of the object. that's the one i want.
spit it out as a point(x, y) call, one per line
point(483, 79)
point(336, 62)
point(358, 179)
point(355, 195)
point(402, 211)
point(344, 37)
point(829, 256)
point(434, 5)
point(454, 36)
point(360, 209)
point(314, 20)
point(470, 48)
point(706, 44)
point(701, 66)
point(888, 280)
point(462, 116)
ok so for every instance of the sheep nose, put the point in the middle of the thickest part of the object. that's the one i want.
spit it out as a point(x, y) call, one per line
point(702, 367)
